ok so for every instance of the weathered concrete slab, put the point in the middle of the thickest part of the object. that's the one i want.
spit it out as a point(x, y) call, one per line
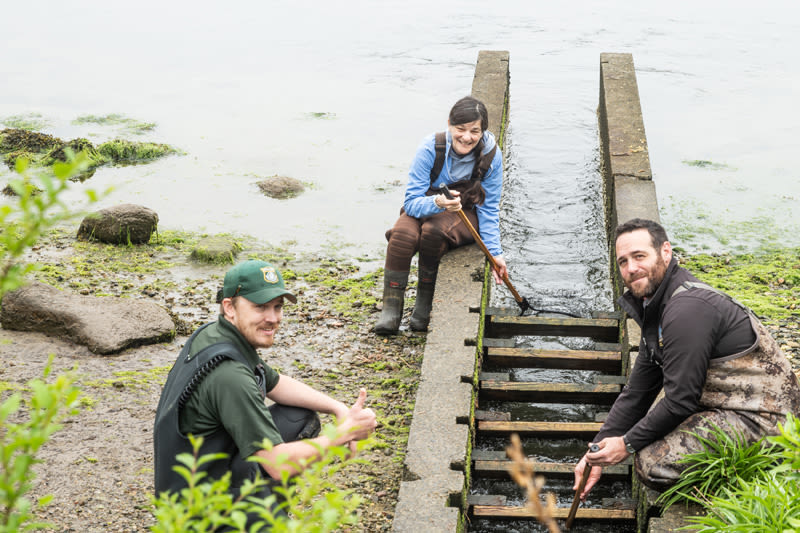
point(490, 86)
point(434, 516)
point(437, 441)
point(626, 160)
point(635, 198)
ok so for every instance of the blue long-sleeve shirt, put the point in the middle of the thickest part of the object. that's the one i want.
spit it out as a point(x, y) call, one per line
point(457, 168)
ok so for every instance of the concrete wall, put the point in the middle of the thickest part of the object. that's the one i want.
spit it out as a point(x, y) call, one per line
point(630, 193)
point(434, 487)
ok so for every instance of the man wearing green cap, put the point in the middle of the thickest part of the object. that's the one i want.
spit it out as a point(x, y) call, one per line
point(218, 385)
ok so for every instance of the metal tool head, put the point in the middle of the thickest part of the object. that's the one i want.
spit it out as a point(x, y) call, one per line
point(524, 305)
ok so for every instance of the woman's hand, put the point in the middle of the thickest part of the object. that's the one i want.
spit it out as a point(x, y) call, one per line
point(501, 271)
point(442, 202)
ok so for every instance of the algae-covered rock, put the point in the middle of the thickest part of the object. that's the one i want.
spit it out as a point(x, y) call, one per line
point(122, 151)
point(12, 139)
point(216, 249)
point(119, 224)
point(281, 187)
point(43, 150)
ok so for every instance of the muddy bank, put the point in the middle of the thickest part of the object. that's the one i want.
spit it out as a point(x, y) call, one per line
point(99, 467)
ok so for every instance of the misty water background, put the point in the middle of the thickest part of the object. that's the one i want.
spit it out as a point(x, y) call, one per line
point(339, 95)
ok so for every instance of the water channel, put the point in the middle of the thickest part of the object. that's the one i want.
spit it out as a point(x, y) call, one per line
point(339, 95)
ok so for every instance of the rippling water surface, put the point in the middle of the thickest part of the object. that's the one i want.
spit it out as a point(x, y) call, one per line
point(237, 86)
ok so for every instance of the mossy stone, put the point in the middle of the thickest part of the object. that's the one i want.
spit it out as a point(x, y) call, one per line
point(216, 249)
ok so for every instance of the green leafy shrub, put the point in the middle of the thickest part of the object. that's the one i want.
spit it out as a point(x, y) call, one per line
point(316, 504)
point(37, 207)
point(28, 419)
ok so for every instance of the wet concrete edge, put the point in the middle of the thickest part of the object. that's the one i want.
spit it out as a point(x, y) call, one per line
point(630, 193)
point(433, 492)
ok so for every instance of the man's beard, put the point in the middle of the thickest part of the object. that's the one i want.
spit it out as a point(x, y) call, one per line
point(654, 279)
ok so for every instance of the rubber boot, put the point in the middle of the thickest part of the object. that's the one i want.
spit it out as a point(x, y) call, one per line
point(394, 287)
point(422, 309)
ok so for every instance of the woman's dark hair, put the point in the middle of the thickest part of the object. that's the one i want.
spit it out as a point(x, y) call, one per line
point(469, 109)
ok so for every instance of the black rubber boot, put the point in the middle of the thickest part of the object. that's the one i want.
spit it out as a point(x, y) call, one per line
point(394, 287)
point(422, 309)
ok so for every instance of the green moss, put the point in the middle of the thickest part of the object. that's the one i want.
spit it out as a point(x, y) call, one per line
point(121, 151)
point(133, 378)
point(768, 282)
point(350, 297)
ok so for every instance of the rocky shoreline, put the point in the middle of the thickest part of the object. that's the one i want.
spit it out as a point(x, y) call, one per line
point(99, 466)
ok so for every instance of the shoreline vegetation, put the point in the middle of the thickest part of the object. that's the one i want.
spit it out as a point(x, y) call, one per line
point(325, 340)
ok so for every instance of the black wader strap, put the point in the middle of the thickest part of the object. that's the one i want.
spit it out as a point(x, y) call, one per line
point(438, 162)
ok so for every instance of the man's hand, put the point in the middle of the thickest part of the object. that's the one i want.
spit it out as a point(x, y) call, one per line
point(594, 477)
point(358, 424)
point(611, 451)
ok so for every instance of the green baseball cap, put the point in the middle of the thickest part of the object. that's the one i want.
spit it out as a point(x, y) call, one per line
point(258, 281)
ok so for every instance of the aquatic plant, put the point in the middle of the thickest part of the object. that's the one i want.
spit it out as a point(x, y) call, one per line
point(121, 151)
point(130, 125)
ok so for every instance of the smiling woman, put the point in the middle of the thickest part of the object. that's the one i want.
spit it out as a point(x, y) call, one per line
point(465, 158)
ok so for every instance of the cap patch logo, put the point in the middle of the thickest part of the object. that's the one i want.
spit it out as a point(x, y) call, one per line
point(270, 276)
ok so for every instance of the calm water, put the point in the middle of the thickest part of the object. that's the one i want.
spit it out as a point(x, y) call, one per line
point(238, 86)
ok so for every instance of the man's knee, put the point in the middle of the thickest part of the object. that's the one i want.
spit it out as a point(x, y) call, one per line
point(295, 423)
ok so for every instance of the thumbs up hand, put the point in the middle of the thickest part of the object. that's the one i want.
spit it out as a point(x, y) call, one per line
point(360, 421)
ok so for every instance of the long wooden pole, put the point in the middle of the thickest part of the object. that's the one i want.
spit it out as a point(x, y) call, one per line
point(488, 254)
point(577, 499)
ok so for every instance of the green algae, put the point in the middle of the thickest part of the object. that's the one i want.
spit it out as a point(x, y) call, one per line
point(27, 121)
point(323, 115)
point(768, 282)
point(121, 151)
point(704, 163)
point(695, 227)
point(42, 150)
point(138, 379)
point(129, 125)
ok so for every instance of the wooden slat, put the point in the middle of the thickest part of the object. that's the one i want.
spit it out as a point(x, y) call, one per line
point(546, 429)
point(602, 329)
point(486, 499)
point(498, 343)
point(499, 468)
point(494, 376)
point(590, 513)
point(491, 415)
point(549, 392)
point(567, 359)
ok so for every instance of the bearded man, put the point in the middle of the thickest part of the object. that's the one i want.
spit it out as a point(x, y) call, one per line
point(715, 361)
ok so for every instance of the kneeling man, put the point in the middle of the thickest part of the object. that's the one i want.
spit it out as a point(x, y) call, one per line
point(715, 361)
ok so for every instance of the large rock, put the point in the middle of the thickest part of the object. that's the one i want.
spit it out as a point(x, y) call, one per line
point(104, 324)
point(120, 224)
